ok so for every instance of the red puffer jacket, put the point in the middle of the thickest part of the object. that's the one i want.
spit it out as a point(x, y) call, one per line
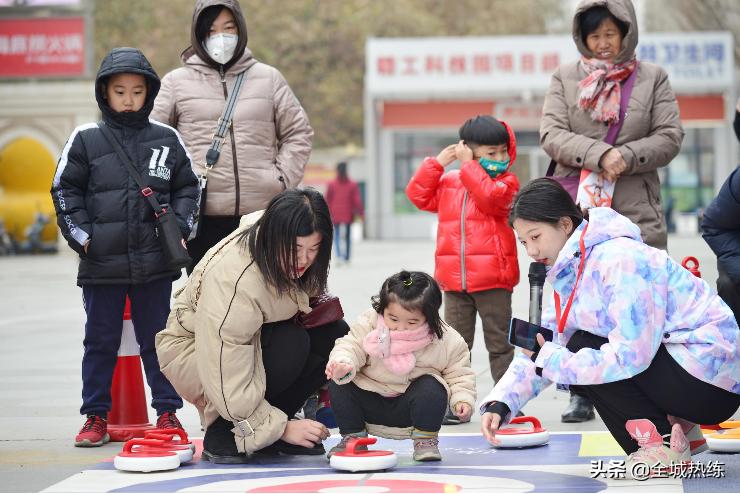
point(476, 248)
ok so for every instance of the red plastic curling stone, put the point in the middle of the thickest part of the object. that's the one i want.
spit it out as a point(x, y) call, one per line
point(352, 460)
point(146, 455)
point(521, 437)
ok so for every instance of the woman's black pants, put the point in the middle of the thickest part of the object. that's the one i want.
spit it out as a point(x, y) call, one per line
point(294, 360)
point(664, 388)
point(422, 406)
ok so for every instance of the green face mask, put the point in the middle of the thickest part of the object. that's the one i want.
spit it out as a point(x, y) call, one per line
point(492, 167)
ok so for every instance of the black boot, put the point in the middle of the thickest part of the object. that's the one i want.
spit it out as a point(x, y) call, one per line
point(281, 447)
point(219, 445)
point(580, 409)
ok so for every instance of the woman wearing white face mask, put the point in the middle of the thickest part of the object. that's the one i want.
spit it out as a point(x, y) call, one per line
point(266, 148)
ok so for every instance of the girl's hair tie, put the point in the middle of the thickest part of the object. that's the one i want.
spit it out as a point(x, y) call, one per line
point(408, 282)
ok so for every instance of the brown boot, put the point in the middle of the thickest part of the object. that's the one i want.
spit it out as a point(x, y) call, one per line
point(427, 449)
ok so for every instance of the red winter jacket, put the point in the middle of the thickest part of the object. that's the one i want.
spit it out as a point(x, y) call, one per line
point(476, 248)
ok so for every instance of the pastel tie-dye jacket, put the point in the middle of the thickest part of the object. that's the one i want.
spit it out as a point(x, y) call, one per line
point(637, 297)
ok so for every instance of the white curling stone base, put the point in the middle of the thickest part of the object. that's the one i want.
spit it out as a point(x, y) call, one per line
point(363, 464)
point(723, 445)
point(522, 440)
point(146, 464)
point(185, 454)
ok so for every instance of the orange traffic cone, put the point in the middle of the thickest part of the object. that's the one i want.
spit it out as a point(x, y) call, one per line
point(128, 416)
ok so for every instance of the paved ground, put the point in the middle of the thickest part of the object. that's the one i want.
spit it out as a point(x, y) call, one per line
point(41, 330)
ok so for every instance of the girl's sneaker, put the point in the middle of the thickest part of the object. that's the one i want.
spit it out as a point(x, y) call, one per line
point(657, 455)
point(342, 444)
point(427, 449)
point(93, 433)
point(693, 433)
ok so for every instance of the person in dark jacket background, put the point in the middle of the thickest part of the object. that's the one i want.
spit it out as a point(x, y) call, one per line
point(106, 219)
point(720, 228)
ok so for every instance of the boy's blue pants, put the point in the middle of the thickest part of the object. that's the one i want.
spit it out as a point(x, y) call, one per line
point(104, 304)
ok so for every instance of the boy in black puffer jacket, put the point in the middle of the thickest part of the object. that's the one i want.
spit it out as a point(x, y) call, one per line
point(105, 218)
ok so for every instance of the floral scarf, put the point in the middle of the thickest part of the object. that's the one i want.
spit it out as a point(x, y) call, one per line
point(396, 348)
point(600, 90)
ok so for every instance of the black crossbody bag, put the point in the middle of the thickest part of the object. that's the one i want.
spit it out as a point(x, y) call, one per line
point(169, 234)
point(224, 123)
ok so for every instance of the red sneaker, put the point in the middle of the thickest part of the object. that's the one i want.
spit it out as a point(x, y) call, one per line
point(93, 433)
point(168, 420)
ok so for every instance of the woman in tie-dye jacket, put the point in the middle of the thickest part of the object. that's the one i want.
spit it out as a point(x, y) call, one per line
point(644, 338)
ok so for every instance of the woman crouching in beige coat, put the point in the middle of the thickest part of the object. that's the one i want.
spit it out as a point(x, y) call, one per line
point(231, 347)
point(399, 367)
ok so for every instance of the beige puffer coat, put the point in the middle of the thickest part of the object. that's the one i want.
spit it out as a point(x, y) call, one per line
point(268, 145)
point(446, 359)
point(649, 139)
point(210, 350)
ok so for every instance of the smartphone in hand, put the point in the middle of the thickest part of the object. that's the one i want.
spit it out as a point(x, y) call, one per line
point(524, 334)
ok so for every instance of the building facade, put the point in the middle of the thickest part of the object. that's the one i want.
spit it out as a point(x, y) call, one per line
point(418, 91)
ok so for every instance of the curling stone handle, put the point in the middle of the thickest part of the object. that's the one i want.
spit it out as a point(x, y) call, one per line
point(359, 441)
point(141, 442)
point(527, 419)
point(158, 435)
point(730, 424)
point(177, 432)
point(692, 264)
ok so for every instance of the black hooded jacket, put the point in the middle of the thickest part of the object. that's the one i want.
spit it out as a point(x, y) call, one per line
point(720, 226)
point(95, 197)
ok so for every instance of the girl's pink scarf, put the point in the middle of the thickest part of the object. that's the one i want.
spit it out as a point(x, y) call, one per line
point(396, 348)
point(600, 91)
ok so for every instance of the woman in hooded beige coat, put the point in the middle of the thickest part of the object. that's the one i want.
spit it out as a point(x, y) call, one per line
point(268, 144)
point(650, 137)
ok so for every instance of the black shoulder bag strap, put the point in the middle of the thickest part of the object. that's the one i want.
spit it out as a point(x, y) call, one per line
point(145, 190)
point(218, 137)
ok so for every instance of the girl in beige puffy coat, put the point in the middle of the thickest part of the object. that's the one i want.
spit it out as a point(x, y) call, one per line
point(399, 367)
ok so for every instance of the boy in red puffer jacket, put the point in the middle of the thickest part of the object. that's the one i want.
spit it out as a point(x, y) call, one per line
point(476, 258)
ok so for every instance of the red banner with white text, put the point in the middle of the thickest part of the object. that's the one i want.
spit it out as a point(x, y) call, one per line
point(43, 47)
